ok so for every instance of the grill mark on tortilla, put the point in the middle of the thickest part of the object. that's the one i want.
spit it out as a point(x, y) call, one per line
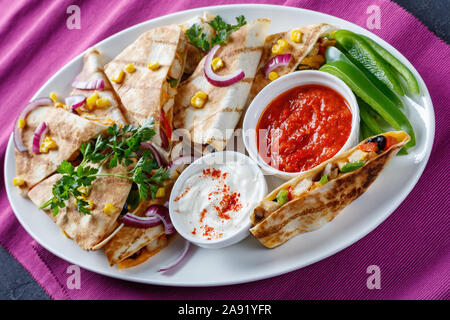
point(234, 52)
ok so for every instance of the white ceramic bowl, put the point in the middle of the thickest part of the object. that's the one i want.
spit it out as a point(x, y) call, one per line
point(195, 168)
point(276, 88)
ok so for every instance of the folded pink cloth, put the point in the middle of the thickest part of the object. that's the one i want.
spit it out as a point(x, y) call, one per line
point(411, 246)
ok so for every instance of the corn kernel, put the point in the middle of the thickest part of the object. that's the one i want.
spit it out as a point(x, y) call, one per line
point(296, 36)
point(91, 101)
point(54, 97)
point(90, 205)
point(280, 46)
point(120, 77)
point(83, 190)
point(199, 99)
point(175, 174)
point(160, 193)
point(130, 68)
point(47, 145)
point(102, 103)
point(18, 182)
point(153, 65)
point(21, 123)
point(273, 75)
point(109, 209)
point(216, 64)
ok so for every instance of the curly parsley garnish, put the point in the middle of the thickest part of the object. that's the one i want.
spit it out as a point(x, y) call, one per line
point(119, 146)
point(199, 39)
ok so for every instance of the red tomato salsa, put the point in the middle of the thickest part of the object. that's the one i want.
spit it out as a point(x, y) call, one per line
point(303, 127)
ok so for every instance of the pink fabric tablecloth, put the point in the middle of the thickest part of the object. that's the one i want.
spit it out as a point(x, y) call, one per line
point(411, 246)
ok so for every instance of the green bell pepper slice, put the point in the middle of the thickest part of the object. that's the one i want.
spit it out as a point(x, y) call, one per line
point(364, 56)
point(367, 91)
point(282, 197)
point(352, 166)
point(411, 81)
point(366, 114)
point(334, 54)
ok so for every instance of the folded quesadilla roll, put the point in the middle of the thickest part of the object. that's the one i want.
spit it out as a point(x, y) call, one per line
point(145, 76)
point(133, 246)
point(316, 196)
point(65, 132)
point(215, 121)
point(303, 44)
point(108, 110)
point(88, 230)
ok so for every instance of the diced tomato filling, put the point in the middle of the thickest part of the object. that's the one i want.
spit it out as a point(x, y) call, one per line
point(369, 147)
point(390, 141)
point(166, 125)
point(290, 197)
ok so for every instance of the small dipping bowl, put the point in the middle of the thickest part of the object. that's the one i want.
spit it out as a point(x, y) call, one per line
point(278, 87)
point(198, 183)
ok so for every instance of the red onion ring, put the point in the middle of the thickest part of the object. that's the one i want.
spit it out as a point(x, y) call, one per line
point(132, 220)
point(38, 137)
point(215, 79)
point(17, 135)
point(162, 213)
point(75, 101)
point(96, 84)
point(180, 161)
point(277, 61)
point(178, 260)
point(156, 154)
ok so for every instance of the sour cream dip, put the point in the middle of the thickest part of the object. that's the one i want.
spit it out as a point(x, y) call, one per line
point(213, 198)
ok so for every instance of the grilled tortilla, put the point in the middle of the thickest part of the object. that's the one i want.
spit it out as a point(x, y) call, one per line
point(145, 92)
point(214, 123)
point(132, 246)
point(93, 70)
point(66, 129)
point(315, 203)
point(87, 230)
point(306, 51)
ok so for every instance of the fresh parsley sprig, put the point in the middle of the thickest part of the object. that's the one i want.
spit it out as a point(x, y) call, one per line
point(119, 146)
point(199, 39)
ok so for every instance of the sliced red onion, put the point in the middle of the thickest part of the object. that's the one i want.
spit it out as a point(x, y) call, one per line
point(38, 137)
point(178, 260)
point(75, 101)
point(180, 161)
point(162, 213)
point(132, 220)
point(277, 61)
point(95, 84)
point(18, 142)
point(215, 79)
point(149, 146)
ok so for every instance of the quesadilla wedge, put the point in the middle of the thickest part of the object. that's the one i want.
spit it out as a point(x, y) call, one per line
point(132, 246)
point(302, 43)
point(214, 123)
point(88, 230)
point(66, 132)
point(156, 60)
point(316, 196)
point(108, 113)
